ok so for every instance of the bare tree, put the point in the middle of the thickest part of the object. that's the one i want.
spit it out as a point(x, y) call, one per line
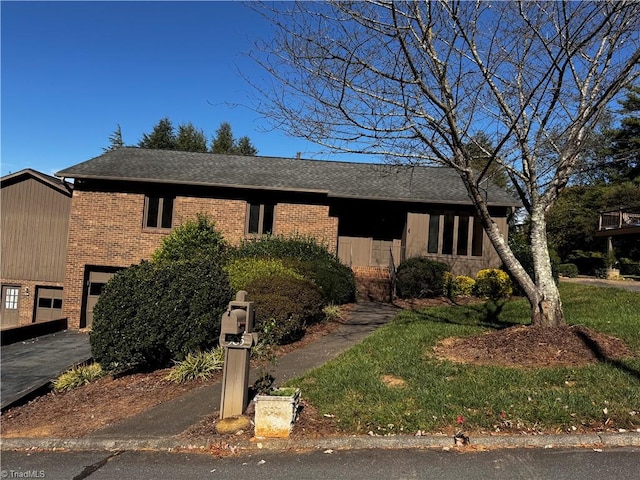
point(416, 81)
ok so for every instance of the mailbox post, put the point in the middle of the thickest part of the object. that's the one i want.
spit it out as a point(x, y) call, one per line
point(237, 337)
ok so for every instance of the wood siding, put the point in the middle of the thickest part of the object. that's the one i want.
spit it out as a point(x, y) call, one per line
point(34, 224)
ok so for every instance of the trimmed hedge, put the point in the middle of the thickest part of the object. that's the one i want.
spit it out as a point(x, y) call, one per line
point(243, 271)
point(284, 307)
point(420, 277)
point(150, 314)
point(194, 238)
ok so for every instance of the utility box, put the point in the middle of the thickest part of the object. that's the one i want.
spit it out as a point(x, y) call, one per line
point(237, 337)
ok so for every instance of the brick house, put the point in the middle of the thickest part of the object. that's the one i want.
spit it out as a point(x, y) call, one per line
point(34, 219)
point(370, 215)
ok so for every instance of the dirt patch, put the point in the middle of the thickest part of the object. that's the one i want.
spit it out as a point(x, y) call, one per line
point(530, 347)
point(393, 382)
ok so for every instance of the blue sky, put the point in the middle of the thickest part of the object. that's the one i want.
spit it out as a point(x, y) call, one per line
point(72, 71)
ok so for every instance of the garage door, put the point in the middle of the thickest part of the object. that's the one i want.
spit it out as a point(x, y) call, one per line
point(48, 304)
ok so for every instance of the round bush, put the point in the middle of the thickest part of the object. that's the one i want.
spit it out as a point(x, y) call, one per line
point(420, 277)
point(284, 307)
point(460, 285)
point(194, 238)
point(336, 280)
point(152, 313)
point(243, 271)
point(568, 270)
point(493, 283)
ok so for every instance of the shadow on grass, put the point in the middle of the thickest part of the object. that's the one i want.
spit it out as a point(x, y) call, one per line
point(482, 315)
point(597, 351)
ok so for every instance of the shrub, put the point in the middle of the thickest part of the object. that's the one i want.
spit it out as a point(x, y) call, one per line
point(284, 306)
point(588, 263)
point(568, 270)
point(278, 246)
point(420, 277)
point(194, 238)
point(493, 283)
point(460, 285)
point(78, 376)
point(629, 267)
point(199, 365)
point(243, 271)
point(309, 258)
point(336, 280)
point(150, 314)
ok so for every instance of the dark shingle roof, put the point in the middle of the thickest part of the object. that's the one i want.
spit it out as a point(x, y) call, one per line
point(53, 182)
point(335, 179)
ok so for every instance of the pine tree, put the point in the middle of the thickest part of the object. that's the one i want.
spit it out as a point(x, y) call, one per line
point(115, 140)
point(190, 139)
point(162, 137)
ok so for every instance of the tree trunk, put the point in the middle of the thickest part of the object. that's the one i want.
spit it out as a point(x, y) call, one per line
point(546, 306)
point(541, 291)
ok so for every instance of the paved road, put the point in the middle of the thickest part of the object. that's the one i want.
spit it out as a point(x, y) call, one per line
point(512, 464)
point(27, 366)
point(629, 285)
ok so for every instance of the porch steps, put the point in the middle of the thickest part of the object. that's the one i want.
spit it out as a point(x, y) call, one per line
point(373, 284)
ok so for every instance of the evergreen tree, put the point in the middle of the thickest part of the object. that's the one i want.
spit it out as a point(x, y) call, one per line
point(115, 140)
point(224, 142)
point(625, 141)
point(190, 139)
point(162, 137)
point(482, 151)
point(245, 147)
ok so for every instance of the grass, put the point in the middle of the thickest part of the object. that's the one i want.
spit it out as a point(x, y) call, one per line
point(441, 396)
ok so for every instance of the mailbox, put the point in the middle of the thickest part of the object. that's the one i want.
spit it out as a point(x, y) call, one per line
point(236, 329)
point(237, 337)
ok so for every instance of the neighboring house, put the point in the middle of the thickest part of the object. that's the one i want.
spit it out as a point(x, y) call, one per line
point(34, 220)
point(370, 215)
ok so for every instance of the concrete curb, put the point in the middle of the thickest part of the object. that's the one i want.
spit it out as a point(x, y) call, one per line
point(629, 439)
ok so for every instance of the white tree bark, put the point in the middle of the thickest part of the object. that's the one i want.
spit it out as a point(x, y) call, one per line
point(413, 82)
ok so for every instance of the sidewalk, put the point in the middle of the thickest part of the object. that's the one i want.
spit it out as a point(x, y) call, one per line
point(159, 427)
point(628, 285)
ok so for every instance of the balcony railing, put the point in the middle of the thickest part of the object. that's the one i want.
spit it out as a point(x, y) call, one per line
point(619, 219)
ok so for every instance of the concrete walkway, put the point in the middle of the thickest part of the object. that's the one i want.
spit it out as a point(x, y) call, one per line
point(26, 367)
point(173, 417)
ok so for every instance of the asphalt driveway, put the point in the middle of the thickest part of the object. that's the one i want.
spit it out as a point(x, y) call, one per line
point(29, 365)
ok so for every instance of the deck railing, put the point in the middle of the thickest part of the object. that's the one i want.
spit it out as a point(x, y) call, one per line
point(619, 219)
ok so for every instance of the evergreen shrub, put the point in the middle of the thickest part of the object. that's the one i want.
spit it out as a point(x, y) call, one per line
point(420, 277)
point(568, 270)
point(284, 307)
point(152, 313)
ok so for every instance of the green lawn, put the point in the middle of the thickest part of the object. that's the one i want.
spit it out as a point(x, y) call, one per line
point(439, 394)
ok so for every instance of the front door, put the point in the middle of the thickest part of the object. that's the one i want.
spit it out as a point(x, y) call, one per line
point(9, 313)
point(97, 280)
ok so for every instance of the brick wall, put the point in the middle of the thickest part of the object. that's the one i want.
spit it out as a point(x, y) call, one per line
point(27, 297)
point(106, 230)
point(307, 220)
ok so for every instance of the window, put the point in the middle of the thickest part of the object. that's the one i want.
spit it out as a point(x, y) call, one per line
point(463, 234)
point(158, 212)
point(11, 298)
point(260, 218)
point(434, 233)
point(476, 239)
point(447, 233)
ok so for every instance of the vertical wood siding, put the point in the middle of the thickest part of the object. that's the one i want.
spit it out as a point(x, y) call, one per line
point(34, 224)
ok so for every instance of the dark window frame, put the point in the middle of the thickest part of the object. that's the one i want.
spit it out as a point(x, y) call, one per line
point(261, 218)
point(158, 212)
